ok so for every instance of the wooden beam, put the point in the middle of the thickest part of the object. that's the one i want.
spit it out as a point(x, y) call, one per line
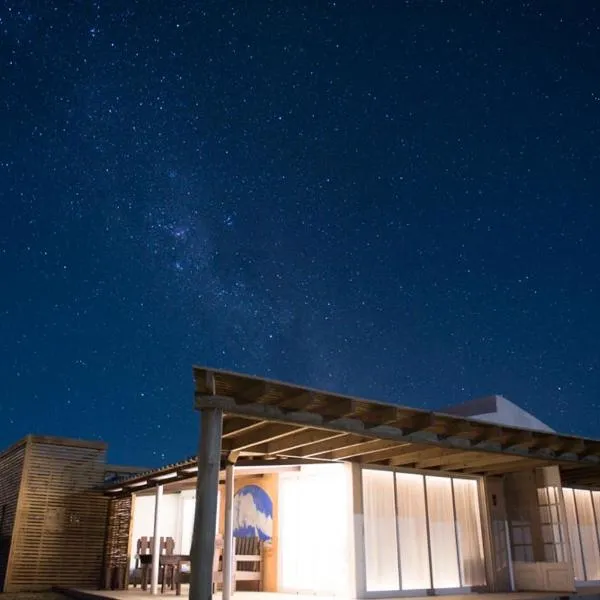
point(235, 426)
point(299, 401)
point(459, 430)
point(488, 434)
point(380, 415)
point(254, 393)
point(302, 439)
point(573, 446)
point(483, 462)
point(418, 423)
point(350, 425)
point(269, 433)
point(444, 459)
point(343, 407)
point(324, 447)
point(416, 456)
point(523, 439)
point(384, 456)
point(368, 447)
point(509, 466)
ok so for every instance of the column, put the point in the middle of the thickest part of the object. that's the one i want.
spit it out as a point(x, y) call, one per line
point(205, 518)
point(228, 546)
point(156, 542)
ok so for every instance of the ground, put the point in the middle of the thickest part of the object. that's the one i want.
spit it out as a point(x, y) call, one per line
point(32, 596)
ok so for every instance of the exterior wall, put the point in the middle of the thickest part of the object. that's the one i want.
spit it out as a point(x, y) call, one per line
point(11, 468)
point(59, 531)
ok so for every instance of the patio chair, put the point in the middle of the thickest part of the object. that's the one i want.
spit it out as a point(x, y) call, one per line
point(143, 565)
point(249, 552)
point(218, 566)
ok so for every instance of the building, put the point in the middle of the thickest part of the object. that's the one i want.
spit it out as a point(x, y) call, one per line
point(345, 498)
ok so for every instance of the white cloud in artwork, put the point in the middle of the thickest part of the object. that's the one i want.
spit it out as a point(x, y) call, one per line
point(246, 515)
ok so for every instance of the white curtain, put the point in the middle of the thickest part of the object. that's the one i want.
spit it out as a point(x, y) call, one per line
point(381, 547)
point(442, 534)
point(588, 534)
point(314, 511)
point(412, 532)
point(468, 523)
point(574, 539)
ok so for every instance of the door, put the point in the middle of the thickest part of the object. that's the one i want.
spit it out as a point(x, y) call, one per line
point(500, 540)
point(314, 510)
point(540, 553)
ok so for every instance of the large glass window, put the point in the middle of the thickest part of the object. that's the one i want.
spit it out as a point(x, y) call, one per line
point(421, 532)
point(470, 541)
point(381, 542)
point(442, 532)
point(583, 515)
point(412, 532)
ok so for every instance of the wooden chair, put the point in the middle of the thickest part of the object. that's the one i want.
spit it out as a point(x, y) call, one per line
point(217, 568)
point(249, 552)
point(144, 558)
point(168, 562)
point(142, 551)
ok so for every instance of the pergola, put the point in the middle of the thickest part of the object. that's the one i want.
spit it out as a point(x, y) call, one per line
point(251, 421)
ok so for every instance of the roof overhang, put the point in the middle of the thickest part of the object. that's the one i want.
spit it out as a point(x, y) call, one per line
point(271, 420)
point(267, 422)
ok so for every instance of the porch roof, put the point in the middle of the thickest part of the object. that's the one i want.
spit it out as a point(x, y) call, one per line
point(269, 422)
point(272, 420)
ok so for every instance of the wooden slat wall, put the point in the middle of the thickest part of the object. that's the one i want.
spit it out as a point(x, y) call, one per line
point(59, 535)
point(117, 542)
point(11, 467)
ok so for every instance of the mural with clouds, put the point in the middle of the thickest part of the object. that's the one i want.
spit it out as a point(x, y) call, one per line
point(252, 513)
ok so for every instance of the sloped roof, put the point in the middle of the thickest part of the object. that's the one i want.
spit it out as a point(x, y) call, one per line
point(499, 410)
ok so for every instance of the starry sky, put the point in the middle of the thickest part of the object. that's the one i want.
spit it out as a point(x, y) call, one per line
point(398, 200)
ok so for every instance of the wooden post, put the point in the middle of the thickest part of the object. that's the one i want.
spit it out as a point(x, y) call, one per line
point(205, 518)
point(228, 547)
point(156, 542)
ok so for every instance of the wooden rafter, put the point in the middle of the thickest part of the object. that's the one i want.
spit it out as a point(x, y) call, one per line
point(270, 433)
point(303, 439)
point(422, 428)
point(363, 449)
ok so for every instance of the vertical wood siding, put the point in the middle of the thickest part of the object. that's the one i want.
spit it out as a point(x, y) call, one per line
point(11, 467)
point(116, 557)
point(58, 539)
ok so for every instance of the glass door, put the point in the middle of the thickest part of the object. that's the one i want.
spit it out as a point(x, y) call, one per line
point(315, 518)
point(422, 533)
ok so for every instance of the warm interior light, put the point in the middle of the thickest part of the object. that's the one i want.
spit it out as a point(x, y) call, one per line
point(315, 514)
point(429, 520)
point(138, 484)
point(165, 476)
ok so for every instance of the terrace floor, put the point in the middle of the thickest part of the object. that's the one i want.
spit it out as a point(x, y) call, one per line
point(137, 593)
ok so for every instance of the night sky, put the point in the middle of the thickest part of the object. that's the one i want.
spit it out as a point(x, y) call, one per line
point(397, 200)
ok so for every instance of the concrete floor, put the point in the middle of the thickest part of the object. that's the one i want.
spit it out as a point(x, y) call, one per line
point(137, 593)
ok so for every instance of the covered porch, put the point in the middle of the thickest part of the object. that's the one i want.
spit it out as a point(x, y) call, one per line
point(522, 542)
